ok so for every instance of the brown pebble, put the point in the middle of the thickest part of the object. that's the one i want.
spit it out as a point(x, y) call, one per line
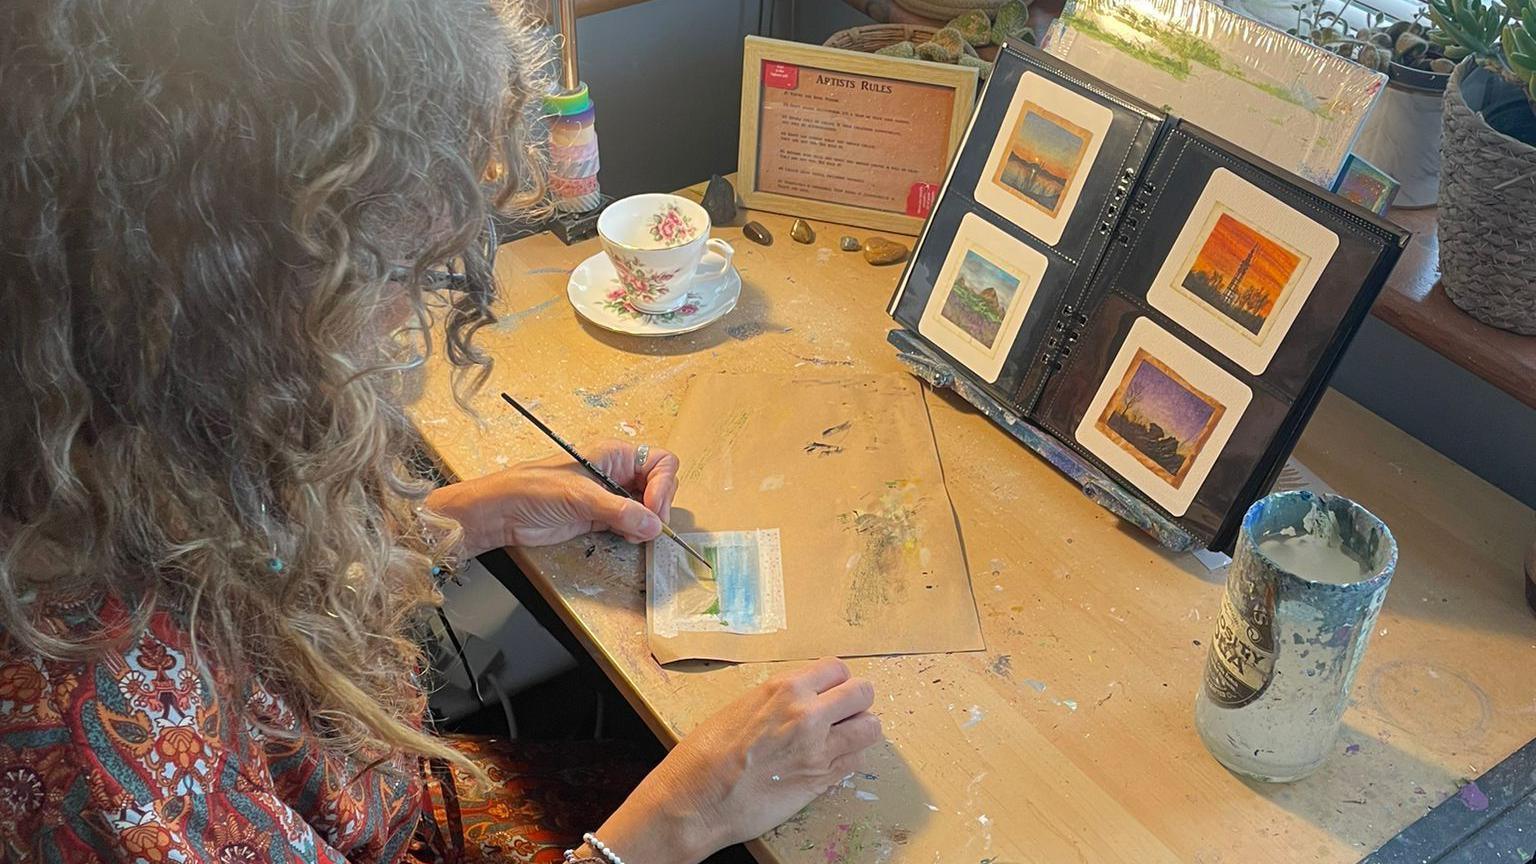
point(757, 233)
point(801, 232)
point(849, 244)
point(878, 250)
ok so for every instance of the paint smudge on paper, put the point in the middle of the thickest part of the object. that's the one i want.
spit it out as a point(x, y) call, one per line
point(837, 430)
point(864, 795)
point(1351, 749)
point(1037, 686)
point(975, 717)
point(625, 427)
point(771, 484)
point(730, 430)
point(1472, 797)
point(826, 444)
point(889, 532)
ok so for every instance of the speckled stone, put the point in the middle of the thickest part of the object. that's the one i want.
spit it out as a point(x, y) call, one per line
point(974, 26)
point(905, 49)
point(983, 67)
point(1410, 49)
point(937, 53)
point(758, 233)
point(801, 232)
point(880, 251)
point(719, 201)
point(849, 243)
point(952, 40)
point(1012, 20)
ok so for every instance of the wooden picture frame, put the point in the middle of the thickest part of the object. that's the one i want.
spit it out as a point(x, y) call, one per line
point(820, 167)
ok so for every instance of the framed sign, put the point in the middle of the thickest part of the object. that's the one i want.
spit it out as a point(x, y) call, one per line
point(843, 136)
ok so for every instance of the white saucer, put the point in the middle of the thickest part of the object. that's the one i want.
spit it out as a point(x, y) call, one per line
point(595, 291)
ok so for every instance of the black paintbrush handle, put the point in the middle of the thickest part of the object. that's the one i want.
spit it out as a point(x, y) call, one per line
point(580, 459)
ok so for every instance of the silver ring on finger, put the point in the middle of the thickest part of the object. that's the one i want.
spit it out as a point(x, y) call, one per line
point(642, 456)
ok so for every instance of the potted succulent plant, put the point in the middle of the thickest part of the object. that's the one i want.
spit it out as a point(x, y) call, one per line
point(1488, 178)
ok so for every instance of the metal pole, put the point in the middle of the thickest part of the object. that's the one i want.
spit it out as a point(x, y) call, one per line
point(569, 77)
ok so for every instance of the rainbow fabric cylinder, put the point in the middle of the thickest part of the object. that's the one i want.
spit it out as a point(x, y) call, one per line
point(573, 157)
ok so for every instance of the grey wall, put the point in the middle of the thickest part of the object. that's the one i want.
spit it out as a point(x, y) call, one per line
point(1443, 405)
point(666, 77)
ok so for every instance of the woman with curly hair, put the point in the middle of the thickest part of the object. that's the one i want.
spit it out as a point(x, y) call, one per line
point(219, 222)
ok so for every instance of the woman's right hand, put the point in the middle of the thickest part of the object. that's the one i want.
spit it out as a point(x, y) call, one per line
point(748, 767)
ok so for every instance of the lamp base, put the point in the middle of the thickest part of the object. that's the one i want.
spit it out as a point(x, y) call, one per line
point(575, 227)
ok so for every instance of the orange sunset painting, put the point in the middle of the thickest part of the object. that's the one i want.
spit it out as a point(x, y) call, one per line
point(1241, 273)
point(1044, 152)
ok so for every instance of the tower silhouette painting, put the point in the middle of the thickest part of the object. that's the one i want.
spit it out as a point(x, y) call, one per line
point(1241, 273)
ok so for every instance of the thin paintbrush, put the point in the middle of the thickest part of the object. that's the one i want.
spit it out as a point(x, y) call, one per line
point(602, 478)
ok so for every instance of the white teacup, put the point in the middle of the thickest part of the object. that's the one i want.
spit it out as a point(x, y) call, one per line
point(656, 243)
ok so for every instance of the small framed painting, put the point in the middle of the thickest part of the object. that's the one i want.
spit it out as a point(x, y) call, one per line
point(848, 137)
point(1240, 269)
point(1046, 147)
point(984, 288)
point(1366, 185)
point(1162, 415)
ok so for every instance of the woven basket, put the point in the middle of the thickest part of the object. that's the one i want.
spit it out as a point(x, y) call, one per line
point(873, 37)
point(945, 10)
point(1487, 192)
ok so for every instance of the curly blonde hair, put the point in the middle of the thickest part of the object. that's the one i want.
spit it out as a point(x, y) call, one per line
point(208, 207)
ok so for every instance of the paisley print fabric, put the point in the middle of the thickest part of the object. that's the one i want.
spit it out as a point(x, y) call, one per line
point(543, 795)
point(133, 758)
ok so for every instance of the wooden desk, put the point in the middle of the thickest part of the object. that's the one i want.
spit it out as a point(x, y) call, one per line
point(1071, 738)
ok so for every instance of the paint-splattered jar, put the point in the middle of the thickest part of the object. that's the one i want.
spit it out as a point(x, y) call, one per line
point(1307, 580)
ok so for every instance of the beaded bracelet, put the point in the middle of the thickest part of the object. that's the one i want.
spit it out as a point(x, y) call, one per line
point(590, 839)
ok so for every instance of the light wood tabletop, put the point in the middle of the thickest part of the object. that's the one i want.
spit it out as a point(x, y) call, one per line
point(1071, 737)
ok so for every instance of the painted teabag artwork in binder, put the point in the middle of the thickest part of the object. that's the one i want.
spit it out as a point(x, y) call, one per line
point(1165, 304)
point(820, 503)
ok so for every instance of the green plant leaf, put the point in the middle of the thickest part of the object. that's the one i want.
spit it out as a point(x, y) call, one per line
point(1524, 44)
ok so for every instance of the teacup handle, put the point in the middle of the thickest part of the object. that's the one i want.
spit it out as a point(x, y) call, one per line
point(724, 250)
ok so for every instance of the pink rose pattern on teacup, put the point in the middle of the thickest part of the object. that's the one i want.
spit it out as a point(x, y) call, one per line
point(638, 283)
point(671, 228)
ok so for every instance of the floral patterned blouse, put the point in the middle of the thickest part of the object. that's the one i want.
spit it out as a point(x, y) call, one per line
point(132, 758)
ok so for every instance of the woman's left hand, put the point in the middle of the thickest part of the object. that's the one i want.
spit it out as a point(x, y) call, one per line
point(552, 500)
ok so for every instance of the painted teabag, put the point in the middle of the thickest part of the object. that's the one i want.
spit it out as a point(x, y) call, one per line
point(821, 504)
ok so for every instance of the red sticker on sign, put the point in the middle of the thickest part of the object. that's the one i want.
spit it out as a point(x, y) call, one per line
point(780, 75)
point(920, 199)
